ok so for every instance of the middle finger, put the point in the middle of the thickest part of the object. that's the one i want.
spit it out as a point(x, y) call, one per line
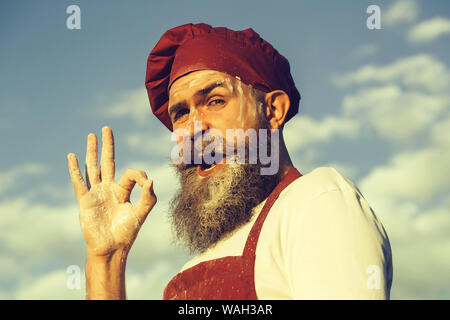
point(107, 167)
point(92, 174)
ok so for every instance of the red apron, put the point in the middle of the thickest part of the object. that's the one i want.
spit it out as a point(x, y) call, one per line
point(227, 278)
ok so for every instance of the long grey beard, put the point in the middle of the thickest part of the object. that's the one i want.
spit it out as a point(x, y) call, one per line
point(204, 210)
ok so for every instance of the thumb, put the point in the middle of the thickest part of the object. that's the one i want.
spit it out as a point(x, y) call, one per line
point(147, 201)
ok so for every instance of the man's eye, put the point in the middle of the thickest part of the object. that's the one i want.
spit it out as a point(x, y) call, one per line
point(216, 101)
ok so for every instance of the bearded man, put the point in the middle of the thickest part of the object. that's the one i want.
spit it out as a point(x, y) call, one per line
point(258, 232)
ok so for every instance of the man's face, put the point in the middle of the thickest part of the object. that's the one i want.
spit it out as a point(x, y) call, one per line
point(215, 103)
point(217, 99)
point(214, 201)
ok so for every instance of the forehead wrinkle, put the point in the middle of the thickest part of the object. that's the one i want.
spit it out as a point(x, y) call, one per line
point(199, 77)
point(194, 77)
point(210, 87)
point(206, 89)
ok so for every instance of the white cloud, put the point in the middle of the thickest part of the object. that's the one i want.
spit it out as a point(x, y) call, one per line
point(429, 30)
point(413, 175)
point(303, 131)
point(365, 50)
point(151, 143)
point(395, 114)
point(10, 177)
point(52, 285)
point(10, 269)
point(62, 193)
point(420, 71)
point(402, 11)
point(132, 103)
point(36, 230)
point(399, 100)
point(440, 133)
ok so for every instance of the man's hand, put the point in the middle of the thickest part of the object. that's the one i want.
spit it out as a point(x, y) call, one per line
point(108, 219)
point(110, 222)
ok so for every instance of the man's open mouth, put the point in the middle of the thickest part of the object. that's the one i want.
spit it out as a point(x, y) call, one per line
point(204, 169)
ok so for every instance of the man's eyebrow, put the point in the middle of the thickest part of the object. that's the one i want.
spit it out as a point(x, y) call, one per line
point(200, 93)
point(209, 88)
point(176, 107)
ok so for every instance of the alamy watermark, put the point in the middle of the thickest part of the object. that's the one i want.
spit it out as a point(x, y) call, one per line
point(74, 20)
point(73, 281)
point(374, 20)
point(374, 278)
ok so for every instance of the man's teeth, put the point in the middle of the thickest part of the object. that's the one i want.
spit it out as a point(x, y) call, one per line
point(209, 168)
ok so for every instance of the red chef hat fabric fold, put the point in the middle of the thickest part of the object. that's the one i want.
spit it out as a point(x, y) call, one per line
point(193, 47)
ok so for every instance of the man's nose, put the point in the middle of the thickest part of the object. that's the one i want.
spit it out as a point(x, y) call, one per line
point(196, 124)
point(196, 136)
point(190, 136)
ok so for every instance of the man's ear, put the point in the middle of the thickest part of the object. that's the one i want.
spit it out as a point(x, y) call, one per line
point(277, 107)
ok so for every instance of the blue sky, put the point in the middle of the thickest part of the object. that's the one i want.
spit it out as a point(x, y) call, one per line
point(375, 105)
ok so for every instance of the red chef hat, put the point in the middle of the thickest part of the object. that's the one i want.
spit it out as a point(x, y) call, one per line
point(192, 47)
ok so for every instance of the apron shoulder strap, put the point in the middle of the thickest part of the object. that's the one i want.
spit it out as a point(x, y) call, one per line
point(252, 240)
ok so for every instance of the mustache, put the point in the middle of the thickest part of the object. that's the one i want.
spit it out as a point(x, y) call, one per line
point(196, 151)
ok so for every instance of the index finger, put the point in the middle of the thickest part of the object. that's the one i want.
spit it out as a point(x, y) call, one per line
point(77, 179)
point(107, 167)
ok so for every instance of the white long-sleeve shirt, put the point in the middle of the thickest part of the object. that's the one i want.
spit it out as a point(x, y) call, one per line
point(320, 240)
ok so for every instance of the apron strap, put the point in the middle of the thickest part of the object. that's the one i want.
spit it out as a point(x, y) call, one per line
point(252, 240)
